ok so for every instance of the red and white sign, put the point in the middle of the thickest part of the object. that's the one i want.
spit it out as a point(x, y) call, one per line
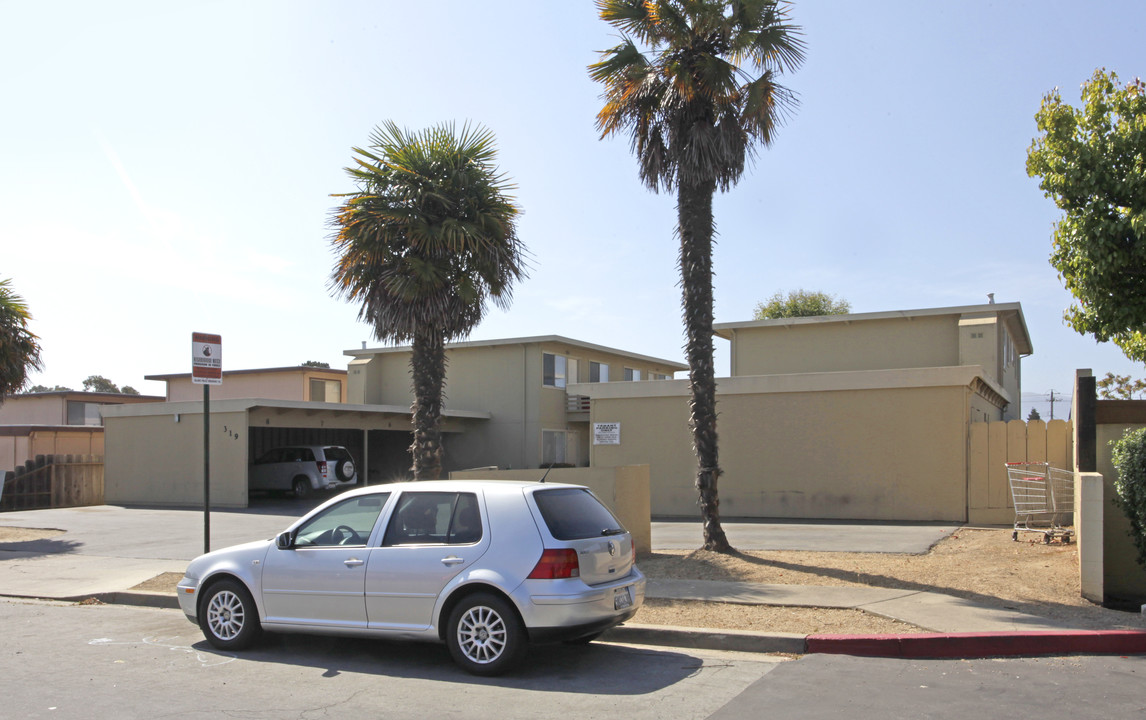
point(206, 359)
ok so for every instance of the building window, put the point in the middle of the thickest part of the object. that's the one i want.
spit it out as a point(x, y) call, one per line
point(658, 376)
point(552, 446)
point(83, 413)
point(553, 373)
point(598, 372)
point(632, 375)
point(325, 390)
point(1008, 349)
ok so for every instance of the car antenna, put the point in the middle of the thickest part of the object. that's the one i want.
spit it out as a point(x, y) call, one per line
point(547, 471)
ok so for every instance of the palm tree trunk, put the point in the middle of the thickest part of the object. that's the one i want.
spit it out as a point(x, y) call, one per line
point(428, 369)
point(695, 225)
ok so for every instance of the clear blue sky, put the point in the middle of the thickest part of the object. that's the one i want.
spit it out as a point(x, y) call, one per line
point(167, 168)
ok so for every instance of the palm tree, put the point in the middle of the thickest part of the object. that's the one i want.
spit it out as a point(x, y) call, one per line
point(19, 348)
point(694, 97)
point(427, 238)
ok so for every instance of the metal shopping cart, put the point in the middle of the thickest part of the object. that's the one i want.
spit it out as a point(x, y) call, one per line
point(1044, 499)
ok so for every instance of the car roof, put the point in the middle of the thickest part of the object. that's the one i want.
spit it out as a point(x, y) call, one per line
point(457, 486)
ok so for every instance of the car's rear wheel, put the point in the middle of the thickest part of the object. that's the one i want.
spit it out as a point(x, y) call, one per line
point(301, 487)
point(344, 470)
point(484, 635)
point(228, 617)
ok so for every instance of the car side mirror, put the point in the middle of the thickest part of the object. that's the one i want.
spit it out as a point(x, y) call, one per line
point(285, 541)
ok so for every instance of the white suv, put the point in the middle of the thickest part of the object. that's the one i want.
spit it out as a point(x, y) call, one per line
point(484, 566)
point(303, 469)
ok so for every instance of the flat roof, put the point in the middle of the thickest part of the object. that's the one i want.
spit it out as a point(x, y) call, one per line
point(243, 404)
point(535, 340)
point(250, 371)
point(1014, 310)
point(85, 395)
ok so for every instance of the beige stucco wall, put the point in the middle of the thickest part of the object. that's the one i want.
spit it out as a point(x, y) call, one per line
point(837, 346)
point(289, 384)
point(34, 410)
point(835, 445)
point(625, 490)
point(153, 460)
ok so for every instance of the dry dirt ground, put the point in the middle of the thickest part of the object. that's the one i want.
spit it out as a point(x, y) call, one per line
point(982, 565)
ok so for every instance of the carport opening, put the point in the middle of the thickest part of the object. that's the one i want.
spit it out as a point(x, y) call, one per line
point(388, 459)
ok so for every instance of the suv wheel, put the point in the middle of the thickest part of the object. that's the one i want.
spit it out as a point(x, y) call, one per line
point(344, 470)
point(301, 487)
point(484, 635)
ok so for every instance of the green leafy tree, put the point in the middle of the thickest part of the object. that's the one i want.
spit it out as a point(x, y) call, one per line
point(693, 84)
point(1092, 163)
point(429, 236)
point(800, 303)
point(45, 388)
point(1129, 459)
point(98, 383)
point(19, 346)
point(316, 364)
point(128, 390)
point(1120, 387)
point(1034, 415)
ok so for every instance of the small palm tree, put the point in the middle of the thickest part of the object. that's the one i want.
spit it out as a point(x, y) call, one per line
point(693, 97)
point(427, 238)
point(19, 348)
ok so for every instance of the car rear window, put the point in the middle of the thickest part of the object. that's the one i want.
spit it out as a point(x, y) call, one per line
point(336, 453)
point(575, 514)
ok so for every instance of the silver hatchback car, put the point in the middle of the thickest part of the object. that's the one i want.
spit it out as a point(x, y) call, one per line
point(485, 566)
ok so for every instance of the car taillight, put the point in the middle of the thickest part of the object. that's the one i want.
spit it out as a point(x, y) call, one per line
point(556, 564)
point(322, 467)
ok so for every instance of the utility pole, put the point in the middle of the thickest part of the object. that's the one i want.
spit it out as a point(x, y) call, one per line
point(1051, 396)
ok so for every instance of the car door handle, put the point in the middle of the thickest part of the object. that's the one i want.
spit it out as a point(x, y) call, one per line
point(353, 562)
point(452, 560)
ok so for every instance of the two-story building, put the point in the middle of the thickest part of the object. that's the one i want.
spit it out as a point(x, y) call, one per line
point(859, 416)
point(506, 405)
point(523, 383)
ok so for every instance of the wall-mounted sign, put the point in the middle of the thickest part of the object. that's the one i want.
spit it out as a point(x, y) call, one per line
point(607, 433)
point(206, 359)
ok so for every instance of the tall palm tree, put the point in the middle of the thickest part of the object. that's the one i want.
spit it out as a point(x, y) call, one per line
point(427, 238)
point(693, 84)
point(19, 347)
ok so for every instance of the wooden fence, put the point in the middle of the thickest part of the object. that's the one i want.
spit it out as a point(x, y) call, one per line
point(52, 481)
point(993, 445)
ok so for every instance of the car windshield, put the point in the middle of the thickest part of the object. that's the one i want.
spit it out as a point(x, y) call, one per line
point(575, 514)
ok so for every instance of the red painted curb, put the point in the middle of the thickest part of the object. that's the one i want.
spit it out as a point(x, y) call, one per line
point(993, 644)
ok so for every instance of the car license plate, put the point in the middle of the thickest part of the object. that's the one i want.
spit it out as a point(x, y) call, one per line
point(622, 598)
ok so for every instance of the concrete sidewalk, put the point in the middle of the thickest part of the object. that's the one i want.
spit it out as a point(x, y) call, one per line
point(105, 551)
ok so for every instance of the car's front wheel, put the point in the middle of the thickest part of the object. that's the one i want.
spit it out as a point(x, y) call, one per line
point(484, 635)
point(228, 617)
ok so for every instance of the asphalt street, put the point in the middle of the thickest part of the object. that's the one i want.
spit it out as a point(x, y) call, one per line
point(109, 661)
point(65, 661)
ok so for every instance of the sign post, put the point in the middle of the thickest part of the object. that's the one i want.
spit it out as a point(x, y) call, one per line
point(206, 370)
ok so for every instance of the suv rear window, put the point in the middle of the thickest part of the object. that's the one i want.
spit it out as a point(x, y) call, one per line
point(336, 453)
point(575, 514)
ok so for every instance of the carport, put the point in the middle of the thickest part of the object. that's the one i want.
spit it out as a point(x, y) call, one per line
point(154, 452)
